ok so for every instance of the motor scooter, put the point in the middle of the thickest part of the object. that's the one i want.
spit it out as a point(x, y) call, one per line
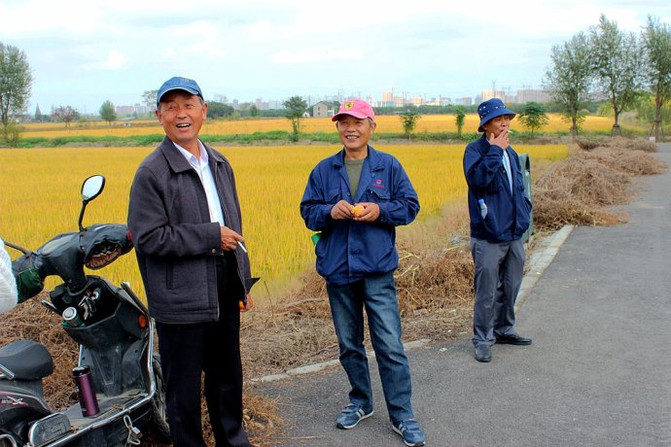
point(118, 376)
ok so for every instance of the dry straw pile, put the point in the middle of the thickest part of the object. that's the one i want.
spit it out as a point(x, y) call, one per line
point(434, 281)
point(597, 175)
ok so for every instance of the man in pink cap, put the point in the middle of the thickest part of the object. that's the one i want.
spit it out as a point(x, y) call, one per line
point(356, 198)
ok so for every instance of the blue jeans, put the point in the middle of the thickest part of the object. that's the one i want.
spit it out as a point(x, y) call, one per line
point(377, 293)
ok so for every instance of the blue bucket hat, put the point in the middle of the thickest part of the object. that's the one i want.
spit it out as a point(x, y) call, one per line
point(490, 109)
point(178, 83)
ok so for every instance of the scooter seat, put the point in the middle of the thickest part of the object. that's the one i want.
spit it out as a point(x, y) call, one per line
point(27, 360)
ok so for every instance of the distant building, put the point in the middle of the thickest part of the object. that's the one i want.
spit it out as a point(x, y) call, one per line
point(465, 101)
point(387, 99)
point(528, 95)
point(439, 101)
point(261, 104)
point(416, 101)
point(491, 93)
point(137, 109)
point(322, 109)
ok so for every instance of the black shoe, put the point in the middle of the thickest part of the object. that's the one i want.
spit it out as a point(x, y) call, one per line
point(513, 339)
point(483, 353)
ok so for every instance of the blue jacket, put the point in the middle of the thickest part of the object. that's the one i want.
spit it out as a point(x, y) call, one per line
point(347, 250)
point(508, 213)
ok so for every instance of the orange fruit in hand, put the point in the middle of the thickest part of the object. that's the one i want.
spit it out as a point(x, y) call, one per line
point(356, 210)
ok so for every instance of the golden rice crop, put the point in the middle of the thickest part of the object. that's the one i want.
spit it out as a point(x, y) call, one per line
point(385, 123)
point(40, 195)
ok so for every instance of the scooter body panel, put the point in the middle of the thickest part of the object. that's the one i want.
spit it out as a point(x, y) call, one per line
point(115, 336)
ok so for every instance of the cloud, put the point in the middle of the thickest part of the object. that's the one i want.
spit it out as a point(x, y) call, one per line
point(317, 54)
point(278, 48)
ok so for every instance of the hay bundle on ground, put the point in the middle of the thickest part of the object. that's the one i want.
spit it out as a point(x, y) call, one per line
point(32, 321)
point(577, 190)
point(628, 161)
point(632, 144)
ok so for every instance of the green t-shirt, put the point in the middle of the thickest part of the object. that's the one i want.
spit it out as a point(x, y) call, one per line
point(353, 168)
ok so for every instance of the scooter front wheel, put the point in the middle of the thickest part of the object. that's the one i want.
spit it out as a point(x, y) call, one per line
point(159, 409)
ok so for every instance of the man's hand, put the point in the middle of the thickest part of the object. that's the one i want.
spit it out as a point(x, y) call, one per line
point(229, 239)
point(501, 140)
point(342, 210)
point(370, 212)
point(250, 304)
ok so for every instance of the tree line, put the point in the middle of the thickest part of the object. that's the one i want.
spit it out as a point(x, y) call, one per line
point(621, 68)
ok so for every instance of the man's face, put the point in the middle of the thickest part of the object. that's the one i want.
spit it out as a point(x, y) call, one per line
point(497, 125)
point(182, 114)
point(355, 132)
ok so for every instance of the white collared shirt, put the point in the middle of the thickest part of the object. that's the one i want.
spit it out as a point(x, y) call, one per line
point(506, 165)
point(202, 167)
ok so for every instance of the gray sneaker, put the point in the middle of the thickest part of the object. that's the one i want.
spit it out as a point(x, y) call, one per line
point(412, 435)
point(351, 415)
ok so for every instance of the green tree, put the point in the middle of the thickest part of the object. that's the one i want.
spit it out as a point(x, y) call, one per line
point(219, 110)
point(570, 78)
point(656, 42)
point(253, 110)
point(409, 120)
point(149, 98)
point(295, 107)
point(15, 83)
point(459, 119)
point(616, 66)
point(107, 112)
point(533, 116)
point(65, 113)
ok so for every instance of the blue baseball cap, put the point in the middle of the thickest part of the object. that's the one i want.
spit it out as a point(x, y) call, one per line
point(490, 109)
point(178, 83)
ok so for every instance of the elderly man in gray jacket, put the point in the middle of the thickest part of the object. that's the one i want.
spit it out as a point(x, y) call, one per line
point(184, 218)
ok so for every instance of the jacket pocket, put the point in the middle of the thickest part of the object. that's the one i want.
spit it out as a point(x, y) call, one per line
point(169, 269)
point(380, 195)
point(333, 195)
point(490, 221)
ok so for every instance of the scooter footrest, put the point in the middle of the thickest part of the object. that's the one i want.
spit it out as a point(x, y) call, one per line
point(49, 429)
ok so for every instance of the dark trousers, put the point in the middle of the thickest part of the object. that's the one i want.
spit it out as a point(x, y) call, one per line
point(499, 269)
point(187, 350)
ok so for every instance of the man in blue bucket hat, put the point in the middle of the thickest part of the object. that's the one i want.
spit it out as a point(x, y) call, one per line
point(500, 214)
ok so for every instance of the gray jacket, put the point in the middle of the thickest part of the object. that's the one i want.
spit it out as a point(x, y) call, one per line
point(175, 243)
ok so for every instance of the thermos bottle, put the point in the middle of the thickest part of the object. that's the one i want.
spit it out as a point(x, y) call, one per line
point(72, 318)
point(87, 395)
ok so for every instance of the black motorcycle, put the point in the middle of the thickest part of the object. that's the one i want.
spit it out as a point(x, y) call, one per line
point(118, 376)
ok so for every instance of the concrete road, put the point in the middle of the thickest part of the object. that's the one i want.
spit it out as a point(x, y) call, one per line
point(597, 374)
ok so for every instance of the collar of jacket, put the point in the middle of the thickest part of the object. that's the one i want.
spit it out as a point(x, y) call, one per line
point(177, 161)
point(374, 160)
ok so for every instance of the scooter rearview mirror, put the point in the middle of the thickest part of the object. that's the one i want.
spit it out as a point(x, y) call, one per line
point(91, 188)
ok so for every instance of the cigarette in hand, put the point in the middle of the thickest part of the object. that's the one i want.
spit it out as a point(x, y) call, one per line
point(242, 246)
point(510, 131)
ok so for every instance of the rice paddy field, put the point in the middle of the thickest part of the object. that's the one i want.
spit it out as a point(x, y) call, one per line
point(41, 196)
point(385, 123)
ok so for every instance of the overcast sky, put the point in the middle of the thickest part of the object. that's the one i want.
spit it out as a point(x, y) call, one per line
point(83, 52)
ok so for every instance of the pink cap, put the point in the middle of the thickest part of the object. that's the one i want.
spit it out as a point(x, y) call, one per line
point(358, 108)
